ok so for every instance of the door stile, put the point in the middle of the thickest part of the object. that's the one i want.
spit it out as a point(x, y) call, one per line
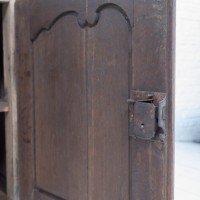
point(171, 96)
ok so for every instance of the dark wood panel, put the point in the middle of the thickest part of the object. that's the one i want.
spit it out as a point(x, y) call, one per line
point(107, 47)
point(40, 196)
point(150, 45)
point(48, 11)
point(93, 6)
point(61, 110)
point(149, 160)
point(43, 195)
point(148, 170)
point(108, 51)
point(22, 72)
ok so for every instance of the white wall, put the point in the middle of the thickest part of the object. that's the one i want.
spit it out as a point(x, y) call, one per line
point(188, 70)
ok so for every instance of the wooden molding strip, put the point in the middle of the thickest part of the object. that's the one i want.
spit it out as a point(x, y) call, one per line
point(3, 106)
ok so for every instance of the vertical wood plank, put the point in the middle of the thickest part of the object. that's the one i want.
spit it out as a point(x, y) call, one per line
point(60, 110)
point(24, 99)
point(108, 74)
point(10, 96)
point(152, 171)
point(171, 29)
point(148, 170)
point(150, 45)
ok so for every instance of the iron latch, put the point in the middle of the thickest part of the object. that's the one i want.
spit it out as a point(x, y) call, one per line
point(147, 115)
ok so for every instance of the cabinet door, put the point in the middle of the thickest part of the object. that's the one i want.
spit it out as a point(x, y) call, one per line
point(95, 84)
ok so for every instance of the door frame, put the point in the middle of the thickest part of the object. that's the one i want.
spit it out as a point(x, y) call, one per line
point(8, 28)
point(171, 94)
point(10, 92)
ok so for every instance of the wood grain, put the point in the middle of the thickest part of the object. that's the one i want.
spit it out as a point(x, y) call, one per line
point(171, 29)
point(61, 110)
point(109, 58)
point(43, 195)
point(152, 162)
point(47, 11)
point(24, 102)
point(73, 119)
point(93, 6)
point(10, 97)
point(150, 45)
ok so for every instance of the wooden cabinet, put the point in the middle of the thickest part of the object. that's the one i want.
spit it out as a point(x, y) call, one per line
point(88, 100)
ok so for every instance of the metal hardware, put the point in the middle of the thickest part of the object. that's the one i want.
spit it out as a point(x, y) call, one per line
point(147, 119)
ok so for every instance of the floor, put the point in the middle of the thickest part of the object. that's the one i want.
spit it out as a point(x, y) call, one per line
point(187, 171)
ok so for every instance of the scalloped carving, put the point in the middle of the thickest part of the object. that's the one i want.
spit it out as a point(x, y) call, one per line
point(85, 23)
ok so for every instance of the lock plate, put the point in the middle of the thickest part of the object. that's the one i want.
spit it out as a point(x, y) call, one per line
point(144, 122)
point(147, 115)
